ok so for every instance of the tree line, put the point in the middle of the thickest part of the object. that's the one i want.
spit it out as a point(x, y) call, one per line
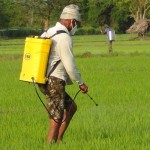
point(40, 14)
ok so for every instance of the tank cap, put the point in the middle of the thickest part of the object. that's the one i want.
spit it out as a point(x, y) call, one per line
point(36, 37)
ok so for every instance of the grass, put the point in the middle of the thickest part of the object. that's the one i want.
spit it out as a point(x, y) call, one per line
point(11, 47)
point(119, 83)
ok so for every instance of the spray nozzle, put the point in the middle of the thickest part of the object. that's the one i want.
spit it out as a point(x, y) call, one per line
point(92, 99)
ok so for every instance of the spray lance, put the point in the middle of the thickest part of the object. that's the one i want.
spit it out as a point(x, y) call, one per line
point(92, 99)
point(82, 89)
point(70, 106)
point(96, 104)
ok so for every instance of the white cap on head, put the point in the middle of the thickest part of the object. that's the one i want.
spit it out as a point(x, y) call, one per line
point(71, 12)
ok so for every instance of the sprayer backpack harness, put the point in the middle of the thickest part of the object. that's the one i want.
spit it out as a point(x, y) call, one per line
point(56, 64)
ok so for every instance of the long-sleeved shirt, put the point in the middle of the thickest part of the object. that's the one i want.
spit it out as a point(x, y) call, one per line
point(61, 49)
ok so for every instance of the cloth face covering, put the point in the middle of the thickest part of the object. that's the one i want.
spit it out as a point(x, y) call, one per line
point(74, 29)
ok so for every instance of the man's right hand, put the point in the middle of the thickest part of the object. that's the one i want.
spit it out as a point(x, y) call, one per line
point(83, 88)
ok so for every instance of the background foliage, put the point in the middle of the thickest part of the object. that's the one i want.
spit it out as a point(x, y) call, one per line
point(95, 13)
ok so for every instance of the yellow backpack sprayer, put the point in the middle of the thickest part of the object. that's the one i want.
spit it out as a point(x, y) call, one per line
point(35, 58)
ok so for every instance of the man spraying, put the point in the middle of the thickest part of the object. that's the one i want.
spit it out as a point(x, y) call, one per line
point(60, 105)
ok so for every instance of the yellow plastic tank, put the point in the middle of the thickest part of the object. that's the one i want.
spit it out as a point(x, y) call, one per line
point(35, 58)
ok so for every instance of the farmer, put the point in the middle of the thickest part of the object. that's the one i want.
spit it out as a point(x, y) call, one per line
point(110, 37)
point(60, 105)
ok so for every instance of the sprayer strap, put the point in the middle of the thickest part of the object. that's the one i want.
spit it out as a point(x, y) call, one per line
point(58, 32)
point(54, 67)
point(56, 64)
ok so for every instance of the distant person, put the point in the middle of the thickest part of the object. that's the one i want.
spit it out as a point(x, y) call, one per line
point(110, 37)
point(59, 104)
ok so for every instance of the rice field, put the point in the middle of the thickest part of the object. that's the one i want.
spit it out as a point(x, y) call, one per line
point(119, 83)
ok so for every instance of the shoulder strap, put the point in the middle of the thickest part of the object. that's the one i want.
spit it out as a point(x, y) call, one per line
point(54, 67)
point(58, 32)
point(56, 64)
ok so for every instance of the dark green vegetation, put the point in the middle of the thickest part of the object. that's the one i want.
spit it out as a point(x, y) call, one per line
point(119, 83)
point(95, 13)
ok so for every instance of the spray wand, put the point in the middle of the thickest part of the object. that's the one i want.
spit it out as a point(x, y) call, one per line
point(70, 106)
point(92, 99)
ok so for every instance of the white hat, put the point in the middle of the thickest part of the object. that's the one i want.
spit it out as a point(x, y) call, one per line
point(71, 12)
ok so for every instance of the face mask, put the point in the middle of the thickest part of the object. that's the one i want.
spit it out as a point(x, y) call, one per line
point(74, 29)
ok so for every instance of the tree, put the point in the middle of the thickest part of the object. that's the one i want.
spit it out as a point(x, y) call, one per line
point(139, 9)
point(4, 18)
point(100, 12)
point(119, 14)
point(43, 11)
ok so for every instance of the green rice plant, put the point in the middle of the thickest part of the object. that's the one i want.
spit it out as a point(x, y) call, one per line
point(95, 44)
point(12, 46)
point(118, 83)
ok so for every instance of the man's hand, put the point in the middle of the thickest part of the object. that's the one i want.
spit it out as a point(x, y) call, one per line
point(83, 88)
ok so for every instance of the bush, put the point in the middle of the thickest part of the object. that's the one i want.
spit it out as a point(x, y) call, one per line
point(88, 31)
point(19, 32)
point(24, 32)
